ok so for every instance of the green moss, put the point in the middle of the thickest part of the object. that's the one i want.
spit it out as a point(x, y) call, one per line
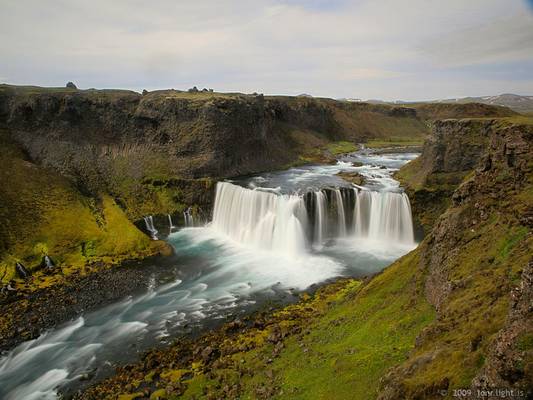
point(358, 340)
point(174, 375)
point(132, 396)
point(510, 242)
point(159, 395)
point(343, 147)
point(350, 336)
point(45, 214)
point(525, 342)
point(395, 142)
point(195, 387)
point(411, 175)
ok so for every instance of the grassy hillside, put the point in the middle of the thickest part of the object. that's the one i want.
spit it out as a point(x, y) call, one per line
point(42, 213)
point(343, 353)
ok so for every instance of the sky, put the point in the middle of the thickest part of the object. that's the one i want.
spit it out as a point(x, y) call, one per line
point(366, 49)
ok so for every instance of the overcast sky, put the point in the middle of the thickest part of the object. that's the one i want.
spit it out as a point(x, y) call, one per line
point(368, 49)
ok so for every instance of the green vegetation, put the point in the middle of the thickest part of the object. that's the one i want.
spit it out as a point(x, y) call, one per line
point(45, 214)
point(394, 142)
point(440, 111)
point(412, 174)
point(322, 152)
point(342, 147)
point(519, 120)
point(359, 338)
point(362, 122)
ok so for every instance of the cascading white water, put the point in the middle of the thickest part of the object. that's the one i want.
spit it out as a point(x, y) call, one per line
point(170, 224)
point(341, 215)
point(321, 218)
point(188, 218)
point(48, 262)
point(261, 219)
point(149, 221)
point(383, 216)
point(279, 222)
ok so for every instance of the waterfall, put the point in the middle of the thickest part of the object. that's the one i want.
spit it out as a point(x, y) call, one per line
point(261, 219)
point(149, 221)
point(384, 216)
point(270, 221)
point(321, 221)
point(48, 263)
point(341, 215)
point(170, 224)
point(188, 218)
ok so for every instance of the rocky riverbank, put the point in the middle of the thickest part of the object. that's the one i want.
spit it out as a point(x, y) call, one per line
point(30, 310)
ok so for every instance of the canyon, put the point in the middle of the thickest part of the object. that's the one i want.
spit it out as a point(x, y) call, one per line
point(90, 176)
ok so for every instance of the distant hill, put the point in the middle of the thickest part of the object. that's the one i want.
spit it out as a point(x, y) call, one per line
point(521, 104)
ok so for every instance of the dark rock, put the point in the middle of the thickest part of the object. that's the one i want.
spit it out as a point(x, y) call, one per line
point(71, 85)
point(353, 177)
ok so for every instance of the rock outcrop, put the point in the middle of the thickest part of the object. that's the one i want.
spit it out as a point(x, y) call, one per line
point(477, 262)
point(449, 154)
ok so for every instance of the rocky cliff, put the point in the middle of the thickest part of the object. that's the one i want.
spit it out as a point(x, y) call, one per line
point(478, 266)
point(449, 154)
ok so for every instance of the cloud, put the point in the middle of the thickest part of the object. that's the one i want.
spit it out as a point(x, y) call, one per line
point(369, 73)
point(339, 48)
point(506, 39)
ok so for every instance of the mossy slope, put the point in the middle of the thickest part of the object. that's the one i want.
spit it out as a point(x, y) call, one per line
point(42, 213)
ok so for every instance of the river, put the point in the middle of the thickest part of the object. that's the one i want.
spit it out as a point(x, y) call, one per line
point(271, 236)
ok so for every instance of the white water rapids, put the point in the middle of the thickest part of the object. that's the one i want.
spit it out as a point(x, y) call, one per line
point(270, 236)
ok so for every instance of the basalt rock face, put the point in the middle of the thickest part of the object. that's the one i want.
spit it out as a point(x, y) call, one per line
point(478, 267)
point(455, 146)
point(117, 142)
point(449, 154)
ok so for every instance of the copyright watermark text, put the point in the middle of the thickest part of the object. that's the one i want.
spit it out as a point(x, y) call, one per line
point(486, 393)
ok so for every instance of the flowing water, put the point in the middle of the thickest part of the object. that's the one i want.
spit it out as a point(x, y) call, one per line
point(271, 236)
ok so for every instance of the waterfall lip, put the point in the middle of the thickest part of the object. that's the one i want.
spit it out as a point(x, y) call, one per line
point(276, 190)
